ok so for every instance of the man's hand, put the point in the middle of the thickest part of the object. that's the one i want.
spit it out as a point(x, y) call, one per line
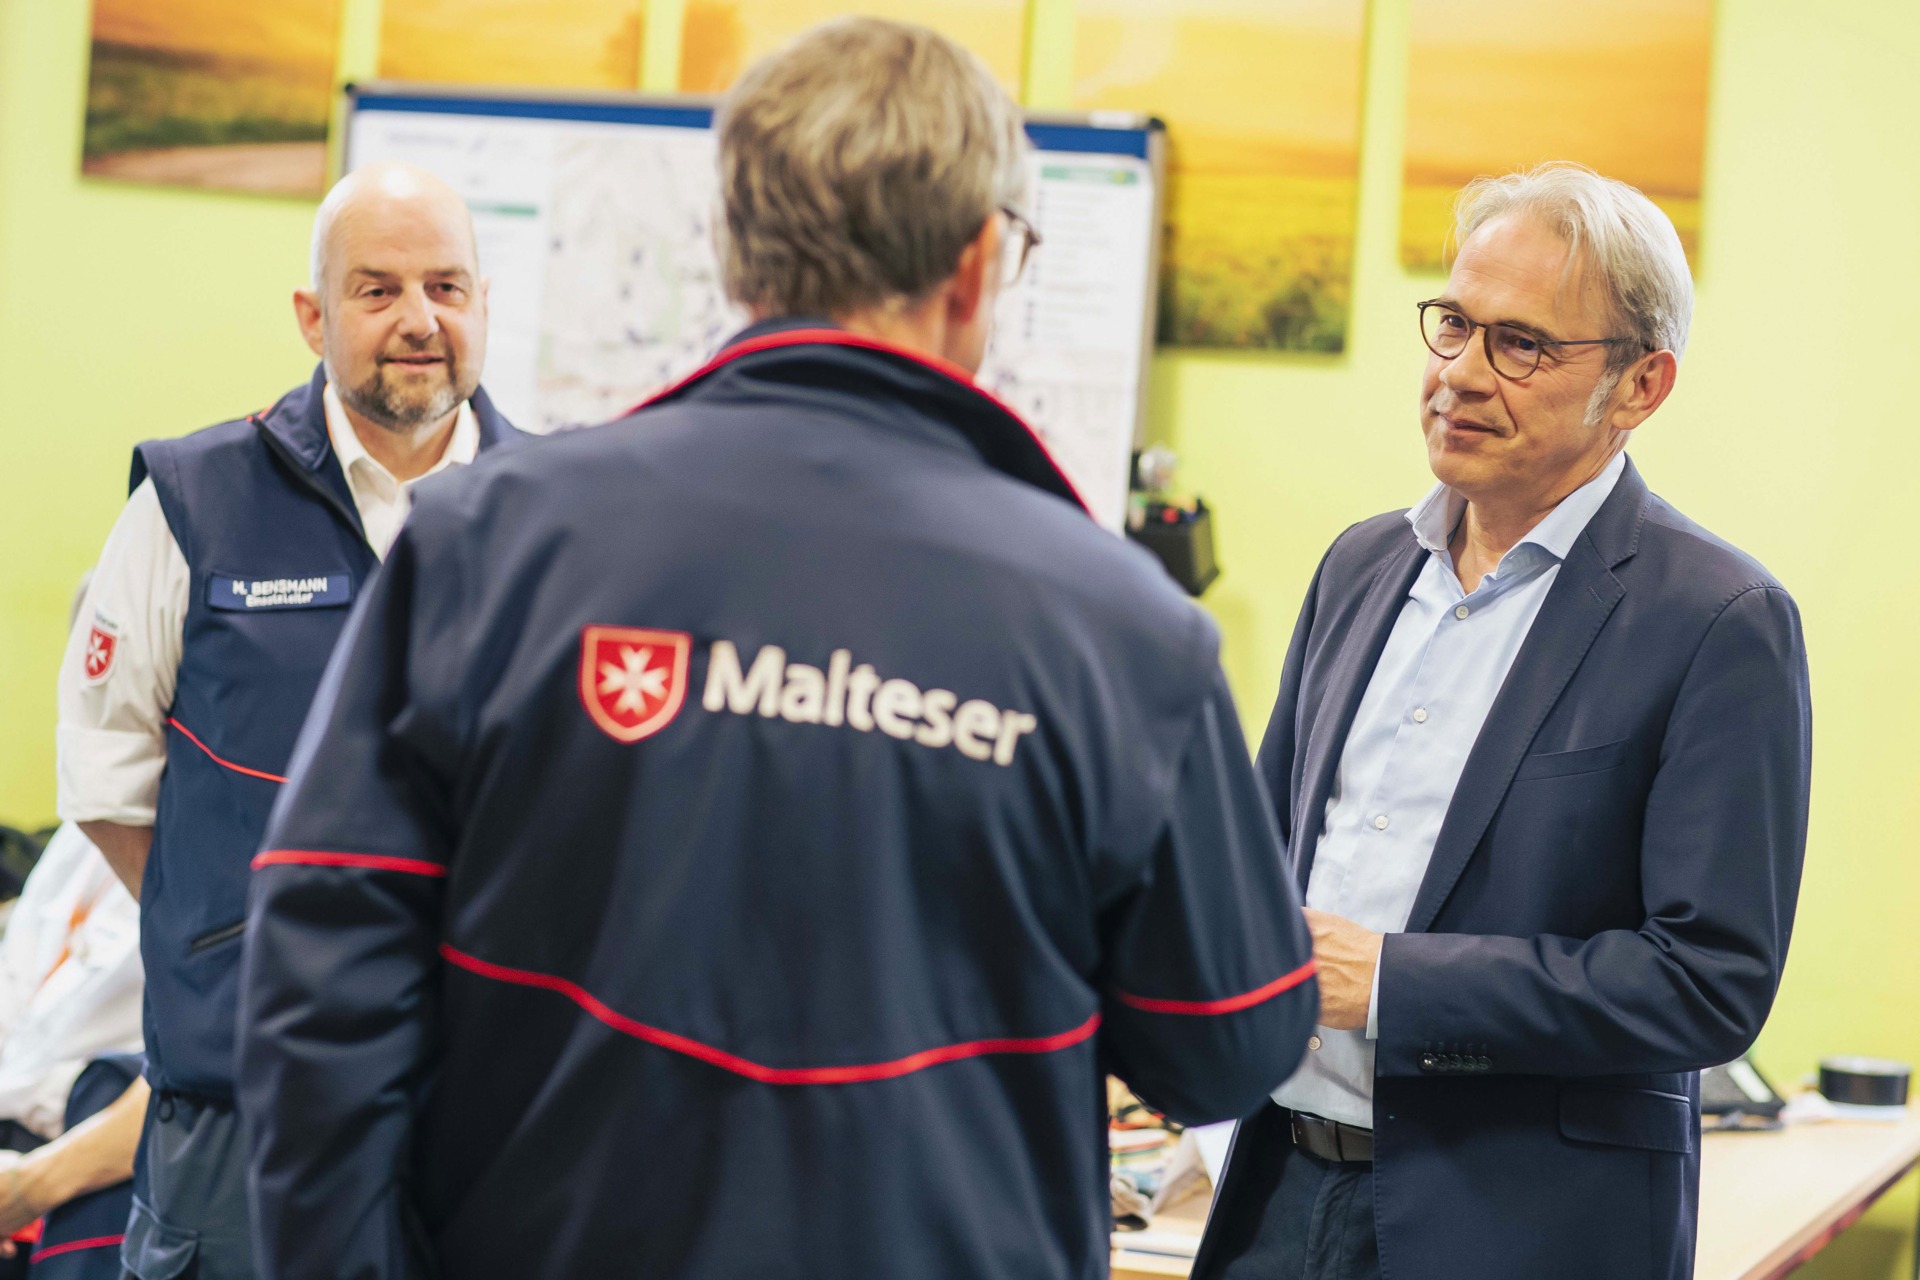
point(1348, 955)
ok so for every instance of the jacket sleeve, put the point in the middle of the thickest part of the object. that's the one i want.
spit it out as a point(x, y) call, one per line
point(1721, 846)
point(339, 977)
point(1210, 994)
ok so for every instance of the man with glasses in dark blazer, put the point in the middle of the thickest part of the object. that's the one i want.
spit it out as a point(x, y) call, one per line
point(1541, 754)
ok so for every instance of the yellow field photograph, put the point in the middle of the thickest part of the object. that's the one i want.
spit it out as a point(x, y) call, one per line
point(1496, 85)
point(229, 94)
point(721, 38)
point(1261, 99)
point(569, 44)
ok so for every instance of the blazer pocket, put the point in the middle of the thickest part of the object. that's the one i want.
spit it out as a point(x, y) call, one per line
point(1644, 1118)
point(1559, 764)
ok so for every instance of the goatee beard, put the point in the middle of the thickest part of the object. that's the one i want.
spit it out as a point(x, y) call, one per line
point(375, 401)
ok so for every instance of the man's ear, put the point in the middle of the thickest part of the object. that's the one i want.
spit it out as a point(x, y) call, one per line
point(973, 279)
point(1646, 387)
point(306, 310)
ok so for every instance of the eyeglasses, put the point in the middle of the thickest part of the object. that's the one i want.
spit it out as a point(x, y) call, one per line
point(1514, 353)
point(1014, 264)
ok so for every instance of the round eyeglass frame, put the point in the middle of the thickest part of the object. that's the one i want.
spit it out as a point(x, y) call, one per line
point(1029, 241)
point(1486, 340)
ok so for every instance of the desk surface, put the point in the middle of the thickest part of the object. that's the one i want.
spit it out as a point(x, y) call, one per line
point(1767, 1200)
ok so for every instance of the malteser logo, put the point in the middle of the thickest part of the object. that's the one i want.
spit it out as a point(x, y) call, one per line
point(103, 642)
point(857, 697)
point(633, 679)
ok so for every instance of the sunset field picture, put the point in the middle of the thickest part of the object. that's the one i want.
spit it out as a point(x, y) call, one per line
point(1262, 104)
point(230, 94)
point(1494, 85)
point(569, 44)
point(720, 38)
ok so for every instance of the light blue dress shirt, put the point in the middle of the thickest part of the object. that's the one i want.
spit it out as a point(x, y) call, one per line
point(1444, 663)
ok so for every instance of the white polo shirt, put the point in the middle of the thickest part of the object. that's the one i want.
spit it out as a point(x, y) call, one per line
point(111, 742)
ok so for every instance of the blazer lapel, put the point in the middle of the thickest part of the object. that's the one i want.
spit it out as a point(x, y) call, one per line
point(1581, 600)
point(1359, 652)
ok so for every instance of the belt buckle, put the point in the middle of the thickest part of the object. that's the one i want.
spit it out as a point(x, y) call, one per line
point(1314, 1135)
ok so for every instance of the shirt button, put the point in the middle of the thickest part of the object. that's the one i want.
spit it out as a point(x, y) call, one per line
point(1461, 611)
point(1380, 823)
point(1419, 715)
point(1313, 1043)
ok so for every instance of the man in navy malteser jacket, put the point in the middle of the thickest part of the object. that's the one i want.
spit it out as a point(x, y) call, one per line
point(734, 841)
point(1541, 754)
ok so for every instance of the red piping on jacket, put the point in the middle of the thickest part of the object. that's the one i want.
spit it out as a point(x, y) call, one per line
point(225, 764)
point(841, 338)
point(1232, 1004)
point(74, 1246)
point(753, 1070)
point(370, 861)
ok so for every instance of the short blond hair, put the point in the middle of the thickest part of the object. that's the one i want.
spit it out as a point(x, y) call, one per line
point(856, 164)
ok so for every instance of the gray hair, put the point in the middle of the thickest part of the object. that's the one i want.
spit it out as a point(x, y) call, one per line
point(1613, 229)
point(856, 164)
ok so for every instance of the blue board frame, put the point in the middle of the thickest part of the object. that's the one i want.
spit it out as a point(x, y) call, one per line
point(1137, 136)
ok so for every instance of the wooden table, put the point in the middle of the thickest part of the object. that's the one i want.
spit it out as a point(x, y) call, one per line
point(1768, 1201)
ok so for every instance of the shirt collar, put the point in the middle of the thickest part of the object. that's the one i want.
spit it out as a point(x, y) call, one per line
point(462, 445)
point(1436, 516)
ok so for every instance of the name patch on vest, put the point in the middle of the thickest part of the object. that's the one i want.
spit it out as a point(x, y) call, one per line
point(249, 595)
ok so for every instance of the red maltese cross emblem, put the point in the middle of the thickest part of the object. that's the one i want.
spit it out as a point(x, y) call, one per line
point(633, 680)
point(102, 643)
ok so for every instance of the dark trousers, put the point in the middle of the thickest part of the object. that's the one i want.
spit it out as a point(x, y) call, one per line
point(1283, 1214)
point(190, 1219)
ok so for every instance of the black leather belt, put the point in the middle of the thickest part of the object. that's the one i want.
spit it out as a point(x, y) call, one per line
point(1330, 1140)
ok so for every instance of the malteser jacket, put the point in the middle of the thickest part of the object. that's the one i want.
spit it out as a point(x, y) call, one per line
point(736, 841)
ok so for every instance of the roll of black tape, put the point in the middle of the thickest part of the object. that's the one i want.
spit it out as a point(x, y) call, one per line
point(1865, 1082)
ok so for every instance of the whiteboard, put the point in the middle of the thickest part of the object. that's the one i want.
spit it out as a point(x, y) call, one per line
point(594, 217)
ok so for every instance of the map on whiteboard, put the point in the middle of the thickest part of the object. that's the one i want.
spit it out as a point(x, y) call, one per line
point(633, 298)
point(597, 237)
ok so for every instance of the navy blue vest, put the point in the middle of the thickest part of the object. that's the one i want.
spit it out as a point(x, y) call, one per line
point(262, 513)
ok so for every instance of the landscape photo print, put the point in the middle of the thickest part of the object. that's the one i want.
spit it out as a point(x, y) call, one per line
point(228, 94)
point(1261, 100)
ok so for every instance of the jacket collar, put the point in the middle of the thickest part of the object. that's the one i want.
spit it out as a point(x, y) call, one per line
point(795, 349)
point(1578, 604)
point(296, 428)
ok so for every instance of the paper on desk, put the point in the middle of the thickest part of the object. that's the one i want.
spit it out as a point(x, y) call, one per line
point(1812, 1108)
point(1213, 1141)
point(1166, 1244)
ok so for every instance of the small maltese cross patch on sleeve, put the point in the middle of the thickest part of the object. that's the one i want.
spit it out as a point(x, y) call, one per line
point(103, 642)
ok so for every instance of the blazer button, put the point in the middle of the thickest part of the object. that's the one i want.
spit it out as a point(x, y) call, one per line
point(1429, 1063)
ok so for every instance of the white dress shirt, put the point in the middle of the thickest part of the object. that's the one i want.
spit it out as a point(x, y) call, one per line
point(70, 980)
point(111, 743)
point(1430, 693)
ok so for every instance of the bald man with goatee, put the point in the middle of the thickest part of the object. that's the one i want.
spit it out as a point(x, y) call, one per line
point(219, 595)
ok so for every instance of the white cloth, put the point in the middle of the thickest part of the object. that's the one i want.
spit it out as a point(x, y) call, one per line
point(70, 980)
point(111, 743)
point(1445, 660)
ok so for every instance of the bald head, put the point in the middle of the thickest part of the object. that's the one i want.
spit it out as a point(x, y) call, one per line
point(397, 309)
point(382, 196)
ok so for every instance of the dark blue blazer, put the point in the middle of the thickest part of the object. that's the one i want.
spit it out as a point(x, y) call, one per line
point(1607, 907)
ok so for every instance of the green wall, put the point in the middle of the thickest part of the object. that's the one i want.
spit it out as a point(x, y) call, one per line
point(127, 312)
